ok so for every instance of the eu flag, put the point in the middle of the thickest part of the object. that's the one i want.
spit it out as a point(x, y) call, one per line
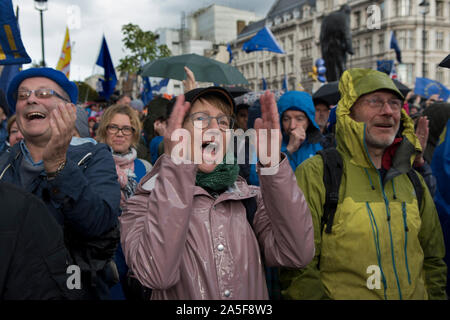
point(264, 40)
point(104, 60)
point(385, 66)
point(12, 50)
point(230, 52)
point(147, 94)
point(162, 84)
point(427, 87)
point(264, 84)
point(394, 45)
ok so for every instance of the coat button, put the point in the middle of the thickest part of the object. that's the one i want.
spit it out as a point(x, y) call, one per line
point(227, 293)
point(220, 247)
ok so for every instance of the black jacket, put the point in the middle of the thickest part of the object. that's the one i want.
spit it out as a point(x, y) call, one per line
point(33, 259)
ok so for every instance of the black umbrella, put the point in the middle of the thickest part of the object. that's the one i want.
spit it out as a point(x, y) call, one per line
point(329, 93)
point(446, 62)
point(236, 91)
point(401, 87)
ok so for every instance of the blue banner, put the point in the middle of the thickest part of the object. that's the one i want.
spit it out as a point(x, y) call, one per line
point(104, 60)
point(385, 66)
point(12, 50)
point(427, 87)
point(264, 40)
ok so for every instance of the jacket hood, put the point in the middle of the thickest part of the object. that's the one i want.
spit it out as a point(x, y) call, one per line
point(350, 134)
point(301, 101)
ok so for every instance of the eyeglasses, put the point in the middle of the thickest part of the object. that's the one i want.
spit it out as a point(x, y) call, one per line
point(126, 131)
point(377, 103)
point(39, 93)
point(202, 120)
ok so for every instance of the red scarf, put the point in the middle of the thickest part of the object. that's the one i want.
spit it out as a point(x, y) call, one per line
point(386, 162)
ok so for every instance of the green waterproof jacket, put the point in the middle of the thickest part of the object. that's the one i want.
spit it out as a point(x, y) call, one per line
point(382, 246)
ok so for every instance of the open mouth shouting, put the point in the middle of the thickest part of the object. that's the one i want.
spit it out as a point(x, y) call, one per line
point(210, 151)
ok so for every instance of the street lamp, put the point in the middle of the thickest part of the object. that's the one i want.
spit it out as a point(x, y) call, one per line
point(424, 9)
point(41, 5)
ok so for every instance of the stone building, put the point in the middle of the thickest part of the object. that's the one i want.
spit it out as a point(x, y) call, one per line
point(296, 26)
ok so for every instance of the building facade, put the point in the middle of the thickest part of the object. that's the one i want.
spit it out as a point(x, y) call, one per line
point(204, 32)
point(296, 26)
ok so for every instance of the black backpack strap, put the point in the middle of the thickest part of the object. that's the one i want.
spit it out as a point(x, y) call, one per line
point(418, 188)
point(250, 209)
point(332, 174)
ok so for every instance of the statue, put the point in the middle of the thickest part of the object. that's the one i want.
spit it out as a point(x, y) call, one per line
point(336, 42)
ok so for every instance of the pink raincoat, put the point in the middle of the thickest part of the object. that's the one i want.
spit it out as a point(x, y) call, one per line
point(186, 244)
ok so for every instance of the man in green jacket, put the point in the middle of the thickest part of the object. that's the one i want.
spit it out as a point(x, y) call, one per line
point(382, 245)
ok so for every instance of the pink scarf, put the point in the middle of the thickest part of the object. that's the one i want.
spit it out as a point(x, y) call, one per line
point(125, 171)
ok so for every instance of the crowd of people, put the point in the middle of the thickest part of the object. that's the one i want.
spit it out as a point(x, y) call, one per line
point(343, 201)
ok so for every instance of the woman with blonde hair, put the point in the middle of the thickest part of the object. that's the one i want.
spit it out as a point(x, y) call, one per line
point(120, 128)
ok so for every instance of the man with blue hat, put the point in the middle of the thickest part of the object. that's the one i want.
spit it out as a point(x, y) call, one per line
point(78, 183)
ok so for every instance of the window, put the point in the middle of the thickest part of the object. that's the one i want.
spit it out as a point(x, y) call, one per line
point(277, 20)
point(381, 43)
point(305, 11)
point(357, 19)
point(290, 42)
point(401, 38)
point(382, 10)
point(440, 40)
point(356, 48)
point(406, 74)
point(439, 8)
point(402, 8)
point(425, 70)
point(368, 46)
point(296, 13)
point(410, 43)
point(305, 73)
point(440, 76)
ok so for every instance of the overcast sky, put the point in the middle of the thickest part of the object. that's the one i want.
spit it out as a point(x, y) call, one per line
point(100, 17)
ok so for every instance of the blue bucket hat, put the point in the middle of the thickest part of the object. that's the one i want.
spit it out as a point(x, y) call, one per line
point(60, 78)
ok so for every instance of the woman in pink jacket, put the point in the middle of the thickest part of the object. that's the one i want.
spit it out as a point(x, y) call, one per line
point(185, 233)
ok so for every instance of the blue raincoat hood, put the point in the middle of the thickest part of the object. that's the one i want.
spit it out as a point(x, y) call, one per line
point(301, 101)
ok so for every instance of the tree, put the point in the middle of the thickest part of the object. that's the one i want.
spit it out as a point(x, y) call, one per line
point(85, 92)
point(143, 47)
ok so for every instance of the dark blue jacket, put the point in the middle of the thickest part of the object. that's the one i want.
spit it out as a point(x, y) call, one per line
point(85, 195)
point(441, 170)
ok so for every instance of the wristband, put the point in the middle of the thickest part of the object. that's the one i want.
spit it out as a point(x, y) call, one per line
point(52, 175)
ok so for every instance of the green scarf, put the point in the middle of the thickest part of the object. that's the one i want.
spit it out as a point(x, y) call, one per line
point(222, 177)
